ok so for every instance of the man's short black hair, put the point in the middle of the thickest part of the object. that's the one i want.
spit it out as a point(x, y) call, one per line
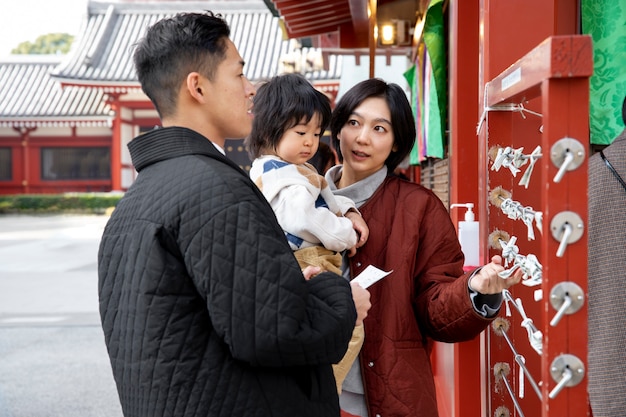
point(173, 48)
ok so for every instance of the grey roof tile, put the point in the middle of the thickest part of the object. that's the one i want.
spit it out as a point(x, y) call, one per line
point(29, 96)
point(102, 54)
point(72, 89)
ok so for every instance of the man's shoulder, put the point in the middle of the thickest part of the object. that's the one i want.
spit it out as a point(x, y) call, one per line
point(617, 148)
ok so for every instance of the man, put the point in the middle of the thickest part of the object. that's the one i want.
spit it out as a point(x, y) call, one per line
point(607, 277)
point(204, 308)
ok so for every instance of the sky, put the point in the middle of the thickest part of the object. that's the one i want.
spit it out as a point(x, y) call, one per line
point(25, 20)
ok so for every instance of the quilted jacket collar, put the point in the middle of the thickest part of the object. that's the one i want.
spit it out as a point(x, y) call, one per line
point(170, 142)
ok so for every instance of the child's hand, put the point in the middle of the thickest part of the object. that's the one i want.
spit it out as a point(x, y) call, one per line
point(360, 227)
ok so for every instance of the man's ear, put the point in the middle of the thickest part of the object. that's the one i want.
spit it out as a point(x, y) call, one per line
point(195, 86)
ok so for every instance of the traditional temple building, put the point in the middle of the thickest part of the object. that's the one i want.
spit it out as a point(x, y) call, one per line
point(508, 96)
point(65, 120)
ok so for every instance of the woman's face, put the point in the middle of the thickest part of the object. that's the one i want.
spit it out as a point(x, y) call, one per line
point(366, 140)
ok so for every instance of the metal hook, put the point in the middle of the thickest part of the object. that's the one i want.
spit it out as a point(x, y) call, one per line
point(567, 232)
point(567, 303)
point(569, 157)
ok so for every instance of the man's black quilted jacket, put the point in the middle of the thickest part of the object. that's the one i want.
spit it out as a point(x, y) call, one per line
point(204, 309)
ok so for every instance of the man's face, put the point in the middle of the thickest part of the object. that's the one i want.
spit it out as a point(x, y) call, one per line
point(229, 103)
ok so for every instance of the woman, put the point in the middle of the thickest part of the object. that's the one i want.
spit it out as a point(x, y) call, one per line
point(427, 295)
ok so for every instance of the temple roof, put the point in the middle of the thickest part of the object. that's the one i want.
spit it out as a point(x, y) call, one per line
point(30, 97)
point(72, 89)
point(102, 53)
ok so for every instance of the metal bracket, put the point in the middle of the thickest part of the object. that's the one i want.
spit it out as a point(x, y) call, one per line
point(567, 154)
point(567, 298)
point(567, 371)
point(567, 227)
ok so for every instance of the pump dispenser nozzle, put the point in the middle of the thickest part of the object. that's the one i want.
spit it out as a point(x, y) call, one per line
point(469, 214)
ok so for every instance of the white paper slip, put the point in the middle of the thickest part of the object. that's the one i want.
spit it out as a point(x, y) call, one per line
point(370, 275)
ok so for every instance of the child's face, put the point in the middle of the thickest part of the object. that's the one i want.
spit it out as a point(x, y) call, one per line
point(300, 142)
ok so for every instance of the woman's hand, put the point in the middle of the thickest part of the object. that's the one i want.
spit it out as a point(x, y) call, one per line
point(487, 280)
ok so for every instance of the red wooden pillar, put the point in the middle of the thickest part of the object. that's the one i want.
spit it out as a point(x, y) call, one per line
point(463, 108)
point(116, 144)
point(25, 142)
point(455, 365)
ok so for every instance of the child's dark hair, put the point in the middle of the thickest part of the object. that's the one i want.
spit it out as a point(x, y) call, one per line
point(280, 104)
point(175, 47)
point(402, 120)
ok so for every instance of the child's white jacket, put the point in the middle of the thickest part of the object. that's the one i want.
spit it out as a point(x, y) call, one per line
point(305, 207)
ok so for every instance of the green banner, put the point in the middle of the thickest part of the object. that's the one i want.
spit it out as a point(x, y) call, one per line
point(413, 79)
point(605, 22)
point(436, 49)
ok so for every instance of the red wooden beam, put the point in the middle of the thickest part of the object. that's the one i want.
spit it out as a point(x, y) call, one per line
point(565, 56)
point(359, 35)
point(313, 31)
point(288, 4)
point(313, 17)
point(310, 17)
point(306, 17)
point(310, 9)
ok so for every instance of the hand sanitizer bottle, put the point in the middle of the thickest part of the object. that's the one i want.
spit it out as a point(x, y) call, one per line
point(468, 236)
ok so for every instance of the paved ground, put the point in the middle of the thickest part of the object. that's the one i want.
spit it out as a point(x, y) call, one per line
point(53, 361)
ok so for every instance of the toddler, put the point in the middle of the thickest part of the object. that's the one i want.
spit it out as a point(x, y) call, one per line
point(290, 116)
